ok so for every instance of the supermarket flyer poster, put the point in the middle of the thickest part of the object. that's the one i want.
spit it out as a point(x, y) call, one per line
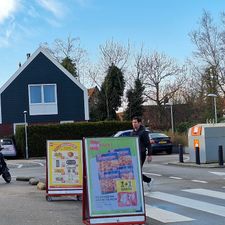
point(114, 176)
point(64, 164)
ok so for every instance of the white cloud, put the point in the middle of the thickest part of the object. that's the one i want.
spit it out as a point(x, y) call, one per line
point(5, 37)
point(7, 20)
point(32, 12)
point(53, 6)
point(7, 8)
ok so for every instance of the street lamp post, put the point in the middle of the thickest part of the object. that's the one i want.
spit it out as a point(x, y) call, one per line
point(25, 128)
point(171, 114)
point(214, 100)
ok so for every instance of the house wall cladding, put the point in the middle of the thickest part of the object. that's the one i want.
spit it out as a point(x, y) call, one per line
point(42, 71)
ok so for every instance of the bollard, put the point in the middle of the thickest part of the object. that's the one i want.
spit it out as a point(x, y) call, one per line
point(220, 155)
point(181, 152)
point(197, 155)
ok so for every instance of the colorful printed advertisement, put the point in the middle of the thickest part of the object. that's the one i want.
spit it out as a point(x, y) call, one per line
point(64, 164)
point(114, 176)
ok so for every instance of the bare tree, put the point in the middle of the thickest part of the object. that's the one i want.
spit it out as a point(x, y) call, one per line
point(95, 74)
point(69, 48)
point(161, 76)
point(113, 53)
point(210, 47)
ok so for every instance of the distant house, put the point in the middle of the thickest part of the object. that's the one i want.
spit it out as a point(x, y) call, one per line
point(45, 90)
point(93, 98)
point(93, 95)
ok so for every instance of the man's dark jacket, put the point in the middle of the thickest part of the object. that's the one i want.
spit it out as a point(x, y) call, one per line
point(144, 142)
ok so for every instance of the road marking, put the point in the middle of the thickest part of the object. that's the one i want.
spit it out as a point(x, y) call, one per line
point(206, 192)
point(218, 173)
point(176, 178)
point(39, 163)
point(20, 166)
point(190, 203)
point(200, 181)
point(153, 174)
point(165, 216)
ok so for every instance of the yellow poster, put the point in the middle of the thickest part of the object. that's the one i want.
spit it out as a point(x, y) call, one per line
point(64, 164)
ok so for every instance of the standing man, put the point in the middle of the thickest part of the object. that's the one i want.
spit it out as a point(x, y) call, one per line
point(144, 145)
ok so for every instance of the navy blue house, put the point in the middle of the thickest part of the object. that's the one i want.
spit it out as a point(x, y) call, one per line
point(45, 90)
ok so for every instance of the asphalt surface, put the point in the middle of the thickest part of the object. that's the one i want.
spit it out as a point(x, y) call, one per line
point(23, 204)
point(29, 205)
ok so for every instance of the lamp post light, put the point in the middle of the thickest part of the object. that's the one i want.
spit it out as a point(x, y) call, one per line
point(214, 99)
point(25, 128)
point(171, 114)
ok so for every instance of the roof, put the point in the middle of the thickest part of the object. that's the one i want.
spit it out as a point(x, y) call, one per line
point(57, 64)
point(30, 59)
point(91, 91)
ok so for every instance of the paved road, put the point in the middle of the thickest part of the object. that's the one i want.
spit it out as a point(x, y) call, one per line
point(185, 195)
point(22, 163)
point(180, 196)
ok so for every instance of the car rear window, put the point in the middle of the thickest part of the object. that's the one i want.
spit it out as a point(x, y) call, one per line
point(157, 135)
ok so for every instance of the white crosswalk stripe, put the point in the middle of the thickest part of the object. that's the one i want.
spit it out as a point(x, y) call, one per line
point(166, 216)
point(206, 192)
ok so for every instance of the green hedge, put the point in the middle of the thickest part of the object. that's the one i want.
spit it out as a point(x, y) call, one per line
point(39, 134)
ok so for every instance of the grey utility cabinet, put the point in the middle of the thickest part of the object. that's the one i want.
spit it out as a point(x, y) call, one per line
point(207, 137)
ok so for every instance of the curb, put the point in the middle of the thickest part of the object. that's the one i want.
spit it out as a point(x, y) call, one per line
point(187, 164)
point(41, 185)
point(23, 178)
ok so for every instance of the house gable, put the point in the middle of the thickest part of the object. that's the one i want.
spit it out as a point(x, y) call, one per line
point(41, 68)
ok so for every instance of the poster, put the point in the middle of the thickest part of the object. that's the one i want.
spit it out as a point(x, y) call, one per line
point(113, 176)
point(64, 164)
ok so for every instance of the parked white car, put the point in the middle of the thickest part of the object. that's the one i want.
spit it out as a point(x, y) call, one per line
point(8, 147)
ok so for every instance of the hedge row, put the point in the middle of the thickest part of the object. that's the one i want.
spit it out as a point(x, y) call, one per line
point(39, 134)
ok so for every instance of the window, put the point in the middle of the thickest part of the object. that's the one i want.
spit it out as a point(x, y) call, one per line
point(44, 93)
point(49, 93)
point(42, 99)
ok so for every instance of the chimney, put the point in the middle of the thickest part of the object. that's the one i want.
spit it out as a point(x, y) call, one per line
point(19, 64)
point(28, 55)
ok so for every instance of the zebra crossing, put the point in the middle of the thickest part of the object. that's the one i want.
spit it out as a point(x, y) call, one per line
point(192, 202)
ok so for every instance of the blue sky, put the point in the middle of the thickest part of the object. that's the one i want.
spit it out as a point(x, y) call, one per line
point(161, 25)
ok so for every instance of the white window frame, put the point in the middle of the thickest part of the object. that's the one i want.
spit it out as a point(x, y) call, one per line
point(43, 108)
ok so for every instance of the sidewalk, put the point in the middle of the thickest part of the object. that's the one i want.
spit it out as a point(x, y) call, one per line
point(192, 164)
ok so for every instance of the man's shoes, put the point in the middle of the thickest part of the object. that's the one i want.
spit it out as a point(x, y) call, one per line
point(150, 184)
